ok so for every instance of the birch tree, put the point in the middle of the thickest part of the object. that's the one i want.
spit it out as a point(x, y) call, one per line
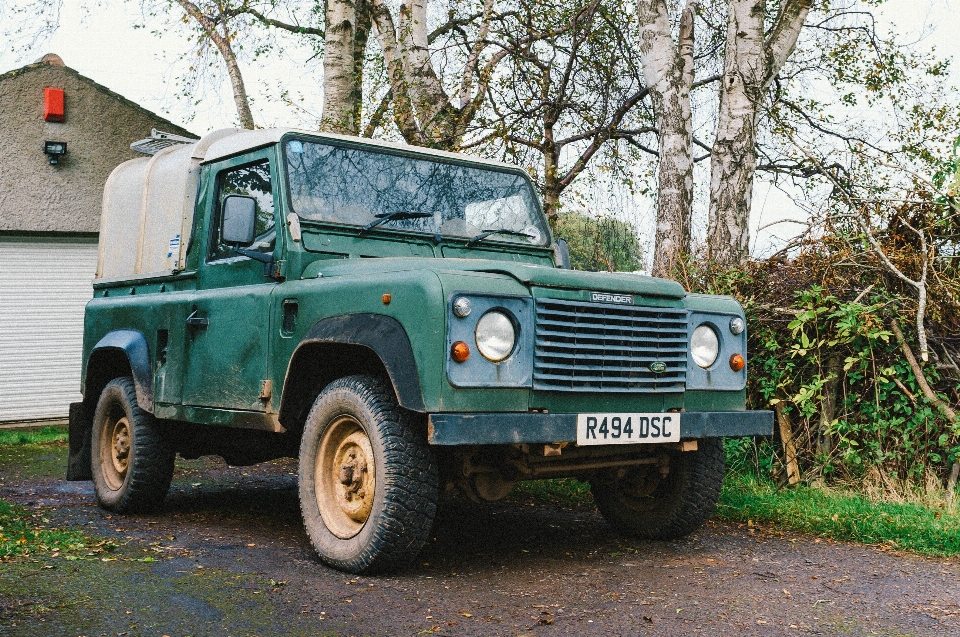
point(427, 107)
point(344, 31)
point(668, 69)
point(345, 42)
point(424, 112)
point(753, 57)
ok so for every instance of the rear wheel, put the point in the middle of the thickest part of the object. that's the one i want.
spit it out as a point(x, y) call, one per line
point(367, 478)
point(643, 502)
point(132, 465)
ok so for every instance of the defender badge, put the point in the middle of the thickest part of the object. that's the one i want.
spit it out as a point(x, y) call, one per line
point(607, 297)
point(658, 367)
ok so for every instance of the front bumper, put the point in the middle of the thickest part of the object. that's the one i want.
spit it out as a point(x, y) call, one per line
point(511, 428)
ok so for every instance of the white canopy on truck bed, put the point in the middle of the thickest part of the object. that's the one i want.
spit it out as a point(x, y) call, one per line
point(147, 215)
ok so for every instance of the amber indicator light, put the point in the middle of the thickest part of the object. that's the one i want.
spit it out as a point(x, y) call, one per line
point(736, 362)
point(386, 298)
point(460, 351)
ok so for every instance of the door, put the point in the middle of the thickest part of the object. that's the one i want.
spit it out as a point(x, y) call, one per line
point(44, 285)
point(228, 331)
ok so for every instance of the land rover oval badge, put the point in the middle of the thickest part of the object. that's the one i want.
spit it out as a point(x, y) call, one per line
point(658, 367)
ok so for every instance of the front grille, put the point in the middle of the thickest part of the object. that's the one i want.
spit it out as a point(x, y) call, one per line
point(608, 348)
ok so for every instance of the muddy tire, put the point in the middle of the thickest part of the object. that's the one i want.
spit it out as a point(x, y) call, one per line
point(131, 464)
point(639, 501)
point(367, 478)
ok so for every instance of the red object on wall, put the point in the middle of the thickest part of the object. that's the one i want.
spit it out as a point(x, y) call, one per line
point(53, 105)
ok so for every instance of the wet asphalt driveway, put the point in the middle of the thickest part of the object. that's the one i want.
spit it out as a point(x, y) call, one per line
point(228, 556)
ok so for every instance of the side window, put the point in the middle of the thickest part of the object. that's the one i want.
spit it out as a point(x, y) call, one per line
point(252, 181)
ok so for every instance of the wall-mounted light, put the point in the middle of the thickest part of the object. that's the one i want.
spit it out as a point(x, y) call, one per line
point(55, 150)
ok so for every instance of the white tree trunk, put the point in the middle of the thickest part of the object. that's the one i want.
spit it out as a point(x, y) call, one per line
point(751, 60)
point(431, 103)
point(668, 71)
point(403, 113)
point(339, 69)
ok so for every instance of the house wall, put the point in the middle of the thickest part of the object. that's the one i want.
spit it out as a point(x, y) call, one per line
point(99, 126)
point(49, 221)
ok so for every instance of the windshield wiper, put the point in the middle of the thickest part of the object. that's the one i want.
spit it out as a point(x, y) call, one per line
point(397, 215)
point(487, 233)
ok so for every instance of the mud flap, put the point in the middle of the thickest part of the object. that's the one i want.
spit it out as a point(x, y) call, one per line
point(81, 425)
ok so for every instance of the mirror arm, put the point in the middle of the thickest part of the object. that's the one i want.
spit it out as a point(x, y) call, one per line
point(266, 258)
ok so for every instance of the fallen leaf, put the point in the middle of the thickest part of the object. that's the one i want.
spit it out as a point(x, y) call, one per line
point(466, 615)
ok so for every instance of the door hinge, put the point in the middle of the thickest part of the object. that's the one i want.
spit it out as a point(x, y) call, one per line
point(266, 389)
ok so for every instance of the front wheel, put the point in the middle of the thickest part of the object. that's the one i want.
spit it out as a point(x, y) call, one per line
point(643, 502)
point(367, 478)
point(131, 463)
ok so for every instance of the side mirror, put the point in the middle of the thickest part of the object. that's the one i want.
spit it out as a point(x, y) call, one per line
point(561, 253)
point(239, 218)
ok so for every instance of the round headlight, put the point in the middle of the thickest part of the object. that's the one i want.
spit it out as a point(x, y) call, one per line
point(495, 336)
point(704, 346)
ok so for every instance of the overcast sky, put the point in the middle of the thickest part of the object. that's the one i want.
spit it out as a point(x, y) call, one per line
point(143, 67)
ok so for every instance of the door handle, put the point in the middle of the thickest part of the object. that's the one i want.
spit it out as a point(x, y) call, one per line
point(197, 321)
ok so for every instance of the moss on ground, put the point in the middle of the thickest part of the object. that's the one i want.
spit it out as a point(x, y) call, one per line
point(173, 597)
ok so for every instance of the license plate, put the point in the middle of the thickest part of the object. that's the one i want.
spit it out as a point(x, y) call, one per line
point(625, 429)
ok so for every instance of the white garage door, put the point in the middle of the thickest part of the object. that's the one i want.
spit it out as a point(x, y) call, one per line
point(44, 285)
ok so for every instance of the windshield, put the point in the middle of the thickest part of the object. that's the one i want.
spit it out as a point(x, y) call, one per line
point(361, 186)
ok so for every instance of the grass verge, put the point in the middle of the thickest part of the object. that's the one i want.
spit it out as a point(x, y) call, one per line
point(827, 513)
point(42, 435)
point(841, 515)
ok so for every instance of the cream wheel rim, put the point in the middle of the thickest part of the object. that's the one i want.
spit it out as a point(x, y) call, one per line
point(115, 450)
point(345, 477)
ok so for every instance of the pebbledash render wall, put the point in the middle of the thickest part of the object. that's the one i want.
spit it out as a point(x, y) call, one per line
point(49, 222)
point(99, 126)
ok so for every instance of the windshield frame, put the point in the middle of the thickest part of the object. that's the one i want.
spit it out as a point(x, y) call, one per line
point(422, 155)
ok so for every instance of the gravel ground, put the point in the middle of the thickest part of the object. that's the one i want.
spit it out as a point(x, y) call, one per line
point(228, 556)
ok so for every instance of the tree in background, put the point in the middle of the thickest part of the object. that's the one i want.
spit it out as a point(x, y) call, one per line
point(571, 106)
point(756, 49)
point(600, 244)
point(219, 30)
point(558, 87)
point(669, 71)
point(550, 84)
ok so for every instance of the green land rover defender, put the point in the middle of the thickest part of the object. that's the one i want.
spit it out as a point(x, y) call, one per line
point(400, 320)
